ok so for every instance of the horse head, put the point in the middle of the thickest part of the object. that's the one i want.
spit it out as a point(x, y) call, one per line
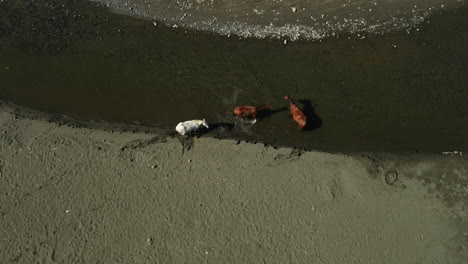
point(204, 123)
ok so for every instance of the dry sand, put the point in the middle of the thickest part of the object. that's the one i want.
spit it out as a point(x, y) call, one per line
point(80, 195)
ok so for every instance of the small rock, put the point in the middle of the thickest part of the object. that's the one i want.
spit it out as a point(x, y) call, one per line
point(285, 42)
point(149, 241)
point(294, 9)
point(189, 160)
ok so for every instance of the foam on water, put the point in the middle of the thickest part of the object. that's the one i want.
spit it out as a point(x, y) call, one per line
point(295, 19)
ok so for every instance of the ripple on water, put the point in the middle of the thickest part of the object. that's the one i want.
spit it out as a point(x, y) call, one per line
point(295, 19)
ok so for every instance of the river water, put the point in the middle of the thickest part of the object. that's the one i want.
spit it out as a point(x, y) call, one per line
point(290, 19)
point(399, 89)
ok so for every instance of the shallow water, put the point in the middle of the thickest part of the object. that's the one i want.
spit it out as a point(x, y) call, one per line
point(292, 19)
point(399, 92)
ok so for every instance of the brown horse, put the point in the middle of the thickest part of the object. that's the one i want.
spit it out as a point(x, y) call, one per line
point(249, 111)
point(296, 112)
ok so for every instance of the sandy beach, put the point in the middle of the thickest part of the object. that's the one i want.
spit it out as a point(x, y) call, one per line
point(378, 176)
point(81, 195)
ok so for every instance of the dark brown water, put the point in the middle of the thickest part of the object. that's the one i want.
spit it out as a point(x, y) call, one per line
point(291, 19)
point(398, 92)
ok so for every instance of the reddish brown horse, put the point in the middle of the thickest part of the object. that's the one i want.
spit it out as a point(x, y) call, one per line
point(296, 112)
point(249, 111)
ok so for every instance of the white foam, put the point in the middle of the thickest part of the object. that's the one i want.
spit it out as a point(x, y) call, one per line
point(295, 19)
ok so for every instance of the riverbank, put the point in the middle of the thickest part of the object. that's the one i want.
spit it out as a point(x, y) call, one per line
point(401, 92)
point(75, 194)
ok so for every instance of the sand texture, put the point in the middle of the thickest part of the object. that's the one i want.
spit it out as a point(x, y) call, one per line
point(80, 195)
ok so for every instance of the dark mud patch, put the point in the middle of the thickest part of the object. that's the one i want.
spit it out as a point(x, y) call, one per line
point(445, 176)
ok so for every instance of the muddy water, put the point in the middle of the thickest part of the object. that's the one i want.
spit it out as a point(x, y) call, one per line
point(292, 19)
point(399, 92)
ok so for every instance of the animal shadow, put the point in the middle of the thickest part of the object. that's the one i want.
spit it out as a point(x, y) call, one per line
point(313, 120)
point(269, 112)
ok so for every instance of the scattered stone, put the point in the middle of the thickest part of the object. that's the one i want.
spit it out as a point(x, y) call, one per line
point(149, 241)
point(294, 9)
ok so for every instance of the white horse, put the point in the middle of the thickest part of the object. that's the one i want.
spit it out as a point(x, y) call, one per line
point(190, 126)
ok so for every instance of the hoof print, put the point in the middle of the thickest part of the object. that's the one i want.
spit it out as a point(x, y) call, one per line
point(391, 177)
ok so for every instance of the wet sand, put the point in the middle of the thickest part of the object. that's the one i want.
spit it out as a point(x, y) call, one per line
point(81, 195)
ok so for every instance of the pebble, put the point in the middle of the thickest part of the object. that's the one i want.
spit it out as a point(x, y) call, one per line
point(149, 241)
